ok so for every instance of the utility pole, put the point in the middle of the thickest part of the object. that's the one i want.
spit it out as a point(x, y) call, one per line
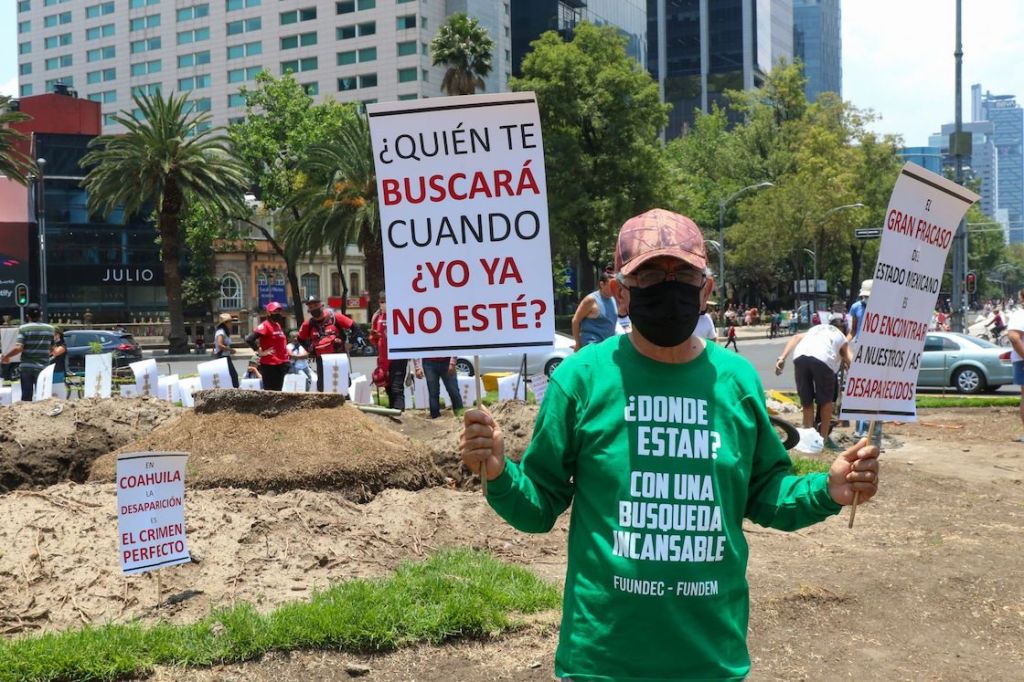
point(960, 146)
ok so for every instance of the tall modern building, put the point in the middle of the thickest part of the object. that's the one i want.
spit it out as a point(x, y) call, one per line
point(531, 18)
point(817, 42)
point(698, 49)
point(1007, 119)
point(349, 50)
point(982, 164)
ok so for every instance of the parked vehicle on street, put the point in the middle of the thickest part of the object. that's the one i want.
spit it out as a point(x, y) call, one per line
point(540, 361)
point(80, 343)
point(967, 363)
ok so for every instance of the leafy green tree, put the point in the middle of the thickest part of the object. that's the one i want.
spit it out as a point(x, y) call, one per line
point(340, 196)
point(203, 227)
point(281, 125)
point(601, 115)
point(13, 163)
point(167, 161)
point(464, 47)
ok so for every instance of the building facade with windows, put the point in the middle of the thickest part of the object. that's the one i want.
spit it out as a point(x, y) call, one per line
point(698, 49)
point(348, 50)
point(1007, 119)
point(817, 42)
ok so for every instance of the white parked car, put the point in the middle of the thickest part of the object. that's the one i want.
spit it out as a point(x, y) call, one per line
point(537, 361)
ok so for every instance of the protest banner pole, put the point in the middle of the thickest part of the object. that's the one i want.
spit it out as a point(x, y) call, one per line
point(479, 406)
point(875, 439)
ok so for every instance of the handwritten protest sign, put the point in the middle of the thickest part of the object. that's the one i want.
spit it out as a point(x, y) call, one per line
point(98, 375)
point(464, 222)
point(214, 374)
point(539, 386)
point(922, 218)
point(169, 388)
point(335, 373)
point(151, 510)
point(147, 379)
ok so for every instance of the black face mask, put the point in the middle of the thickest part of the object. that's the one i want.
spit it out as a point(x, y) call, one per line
point(665, 314)
point(317, 313)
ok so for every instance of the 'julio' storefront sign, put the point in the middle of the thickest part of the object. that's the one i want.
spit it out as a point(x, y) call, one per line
point(128, 275)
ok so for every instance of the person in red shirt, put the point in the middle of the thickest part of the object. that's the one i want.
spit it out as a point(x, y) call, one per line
point(322, 334)
point(271, 345)
point(389, 373)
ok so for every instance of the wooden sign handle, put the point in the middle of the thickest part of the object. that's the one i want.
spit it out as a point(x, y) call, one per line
point(876, 439)
point(479, 405)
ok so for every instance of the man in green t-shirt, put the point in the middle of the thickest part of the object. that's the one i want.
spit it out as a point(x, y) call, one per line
point(662, 444)
point(35, 338)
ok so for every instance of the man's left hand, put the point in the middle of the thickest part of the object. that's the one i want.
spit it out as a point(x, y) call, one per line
point(856, 470)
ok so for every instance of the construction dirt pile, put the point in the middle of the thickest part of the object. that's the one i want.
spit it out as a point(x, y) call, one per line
point(286, 441)
point(42, 443)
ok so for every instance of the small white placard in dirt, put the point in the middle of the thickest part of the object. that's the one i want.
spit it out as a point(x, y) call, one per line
point(6, 399)
point(512, 388)
point(186, 387)
point(169, 388)
point(129, 391)
point(335, 373)
point(147, 379)
point(360, 391)
point(539, 386)
point(409, 402)
point(151, 510)
point(250, 384)
point(467, 387)
point(920, 223)
point(99, 373)
point(294, 383)
point(214, 374)
point(44, 384)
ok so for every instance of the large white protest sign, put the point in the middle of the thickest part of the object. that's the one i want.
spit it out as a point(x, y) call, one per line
point(214, 374)
point(169, 388)
point(6, 397)
point(250, 384)
point(147, 379)
point(464, 221)
point(151, 510)
point(539, 386)
point(187, 387)
point(335, 373)
point(44, 384)
point(294, 383)
point(98, 375)
point(922, 218)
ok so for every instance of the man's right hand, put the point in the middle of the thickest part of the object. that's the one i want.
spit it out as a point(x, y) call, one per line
point(482, 441)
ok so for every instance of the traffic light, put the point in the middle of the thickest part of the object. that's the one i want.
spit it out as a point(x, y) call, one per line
point(21, 294)
point(972, 283)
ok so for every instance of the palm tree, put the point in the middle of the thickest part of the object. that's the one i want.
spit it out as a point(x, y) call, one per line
point(339, 201)
point(462, 45)
point(13, 163)
point(166, 160)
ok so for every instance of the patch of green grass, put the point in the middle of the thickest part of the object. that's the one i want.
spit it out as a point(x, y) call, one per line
point(965, 401)
point(804, 465)
point(455, 593)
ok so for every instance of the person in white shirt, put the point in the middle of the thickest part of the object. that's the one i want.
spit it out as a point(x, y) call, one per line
point(705, 328)
point(818, 354)
point(1015, 332)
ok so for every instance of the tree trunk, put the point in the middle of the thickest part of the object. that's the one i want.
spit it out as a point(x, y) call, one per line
point(856, 260)
point(170, 254)
point(293, 282)
point(373, 251)
point(585, 275)
point(339, 257)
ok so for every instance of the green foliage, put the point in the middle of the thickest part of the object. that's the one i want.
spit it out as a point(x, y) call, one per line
point(203, 226)
point(13, 163)
point(464, 47)
point(454, 594)
point(966, 401)
point(806, 465)
point(601, 115)
point(165, 160)
point(95, 347)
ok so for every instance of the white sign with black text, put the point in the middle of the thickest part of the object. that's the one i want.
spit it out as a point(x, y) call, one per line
point(151, 510)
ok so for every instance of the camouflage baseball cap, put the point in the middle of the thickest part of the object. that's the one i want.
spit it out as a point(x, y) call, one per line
point(659, 233)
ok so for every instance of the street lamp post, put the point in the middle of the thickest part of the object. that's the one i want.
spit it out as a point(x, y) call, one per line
point(817, 246)
point(41, 223)
point(721, 233)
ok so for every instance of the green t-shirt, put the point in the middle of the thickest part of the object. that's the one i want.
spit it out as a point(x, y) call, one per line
point(36, 338)
point(661, 462)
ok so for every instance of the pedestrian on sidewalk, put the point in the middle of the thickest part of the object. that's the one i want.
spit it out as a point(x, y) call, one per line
point(34, 340)
point(222, 345)
point(1015, 332)
point(730, 336)
point(271, 346)
point(59, 360)
point(300, 361)
point(651, 595)
point(391, 372)
point(597, 314)
point(435, 371)
point(324, 333)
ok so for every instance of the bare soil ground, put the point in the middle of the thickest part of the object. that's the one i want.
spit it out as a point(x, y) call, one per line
point(927, 586)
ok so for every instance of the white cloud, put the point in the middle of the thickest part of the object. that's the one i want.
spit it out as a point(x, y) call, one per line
point(898, 59)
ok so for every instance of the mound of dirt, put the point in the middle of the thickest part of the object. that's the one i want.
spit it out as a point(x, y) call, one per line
point(46, 442)
point(299, 441)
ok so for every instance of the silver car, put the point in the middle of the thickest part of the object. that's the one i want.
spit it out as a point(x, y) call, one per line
point(544, 360)
point(969, 364)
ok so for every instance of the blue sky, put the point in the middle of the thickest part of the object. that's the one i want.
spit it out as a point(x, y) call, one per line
point(897, 58)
